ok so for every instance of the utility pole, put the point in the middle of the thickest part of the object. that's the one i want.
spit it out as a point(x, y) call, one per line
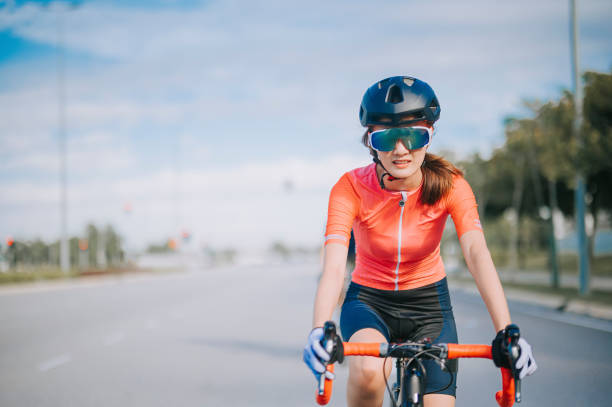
point(580, 187)
point(64, 247)
point(554, 263)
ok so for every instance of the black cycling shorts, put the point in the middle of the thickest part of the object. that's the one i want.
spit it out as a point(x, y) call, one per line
point(406, 315)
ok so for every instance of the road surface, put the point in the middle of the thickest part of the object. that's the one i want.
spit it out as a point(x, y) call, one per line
point(234, 337)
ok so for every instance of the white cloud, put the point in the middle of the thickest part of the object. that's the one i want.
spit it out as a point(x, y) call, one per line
point(91, 155)
point(245, 206)
point(284, 65)
point(216, 81)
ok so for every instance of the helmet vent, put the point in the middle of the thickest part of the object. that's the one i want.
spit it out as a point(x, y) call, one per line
point(408, 81)
point(394, 94)
point(383, 83)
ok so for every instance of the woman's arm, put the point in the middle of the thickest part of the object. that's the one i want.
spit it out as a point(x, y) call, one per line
point(330, 284)
point(481, 267)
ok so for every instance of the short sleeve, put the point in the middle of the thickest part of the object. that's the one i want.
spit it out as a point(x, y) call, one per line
point(342, 210)
point(462, 207)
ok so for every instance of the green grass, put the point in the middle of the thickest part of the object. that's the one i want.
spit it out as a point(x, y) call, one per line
point(39, 273)
point(595, 296)
point(24, 275)
point(568, 263)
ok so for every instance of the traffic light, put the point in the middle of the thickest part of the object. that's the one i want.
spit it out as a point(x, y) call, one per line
point(12, 255)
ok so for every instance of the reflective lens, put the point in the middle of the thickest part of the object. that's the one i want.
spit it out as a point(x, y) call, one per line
point(412, 137)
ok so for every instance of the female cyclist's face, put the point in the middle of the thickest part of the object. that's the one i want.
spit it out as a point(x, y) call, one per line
point(401, 162)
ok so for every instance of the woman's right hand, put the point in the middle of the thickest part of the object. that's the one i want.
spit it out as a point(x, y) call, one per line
point(315, 356)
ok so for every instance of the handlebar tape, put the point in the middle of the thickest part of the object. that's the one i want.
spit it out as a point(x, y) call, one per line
point(469, 351)
point(350, 349)
point(365, 349)
point(323, 399)
point(505, 397)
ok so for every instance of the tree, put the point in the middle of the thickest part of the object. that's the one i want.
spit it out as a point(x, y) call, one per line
point(537, 165)
point(114, 252)
point(562, 157)
point(595, 157)
point(92, 238)
point(475, 170)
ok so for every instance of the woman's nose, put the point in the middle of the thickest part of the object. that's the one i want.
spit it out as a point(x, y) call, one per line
point(400, 148)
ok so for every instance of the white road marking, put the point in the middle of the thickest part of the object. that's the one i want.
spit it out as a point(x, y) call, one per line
point(114, 339)
point(55, 362)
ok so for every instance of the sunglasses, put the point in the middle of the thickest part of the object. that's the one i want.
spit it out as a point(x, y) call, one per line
point(412, 137)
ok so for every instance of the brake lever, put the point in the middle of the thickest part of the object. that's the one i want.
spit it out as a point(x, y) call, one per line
point(513, 335)
point(329, 337)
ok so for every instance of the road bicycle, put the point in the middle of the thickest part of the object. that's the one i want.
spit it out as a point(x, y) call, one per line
point(409, 389)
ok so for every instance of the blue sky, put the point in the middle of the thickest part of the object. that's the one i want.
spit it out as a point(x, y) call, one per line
point(197, 113)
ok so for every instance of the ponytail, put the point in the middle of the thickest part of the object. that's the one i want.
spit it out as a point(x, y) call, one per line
point(438, 176)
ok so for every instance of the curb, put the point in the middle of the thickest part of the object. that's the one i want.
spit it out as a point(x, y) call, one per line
point(86, 281)
point(552, 301)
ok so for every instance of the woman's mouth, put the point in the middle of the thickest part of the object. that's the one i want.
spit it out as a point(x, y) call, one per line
point(401, 163)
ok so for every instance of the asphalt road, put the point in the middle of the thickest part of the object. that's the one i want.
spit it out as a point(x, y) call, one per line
point(233, 337)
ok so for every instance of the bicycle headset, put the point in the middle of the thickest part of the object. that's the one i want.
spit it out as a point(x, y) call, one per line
point(396, 101)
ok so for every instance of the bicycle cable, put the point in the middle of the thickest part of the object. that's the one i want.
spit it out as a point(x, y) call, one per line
point(391, 396)
point(431, 354)
point(442, 365)
point(420, 364)
point(422, 368)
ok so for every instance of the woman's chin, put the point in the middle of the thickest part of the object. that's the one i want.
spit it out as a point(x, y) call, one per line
point(402, 172)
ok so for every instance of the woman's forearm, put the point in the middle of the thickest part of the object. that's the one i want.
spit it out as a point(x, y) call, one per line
point(328, 292)
point(481, 267)
point(330, 284)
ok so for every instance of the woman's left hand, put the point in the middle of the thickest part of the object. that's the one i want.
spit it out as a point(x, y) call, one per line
point(525, 363)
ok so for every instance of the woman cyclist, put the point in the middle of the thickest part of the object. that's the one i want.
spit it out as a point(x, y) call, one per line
point(397, 208)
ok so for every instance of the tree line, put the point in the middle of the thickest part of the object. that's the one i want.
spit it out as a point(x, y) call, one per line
point(96, 248)
point(533, 174)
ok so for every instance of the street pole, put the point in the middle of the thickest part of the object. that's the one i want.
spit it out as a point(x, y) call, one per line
point(580, 186)
point(176, 194)
point(554, 263)
point(64, 247)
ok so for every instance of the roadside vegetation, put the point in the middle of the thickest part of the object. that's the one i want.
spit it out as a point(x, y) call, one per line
point(97, 251)
point(525, 189)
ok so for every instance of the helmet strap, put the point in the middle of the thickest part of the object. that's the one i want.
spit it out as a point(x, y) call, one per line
point(385, 173)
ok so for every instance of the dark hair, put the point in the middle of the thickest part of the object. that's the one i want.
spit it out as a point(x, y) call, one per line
point(438, 175)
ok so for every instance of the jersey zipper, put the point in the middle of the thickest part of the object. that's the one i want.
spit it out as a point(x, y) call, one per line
point(399, 239)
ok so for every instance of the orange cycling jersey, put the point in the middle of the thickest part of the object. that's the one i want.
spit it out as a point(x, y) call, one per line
point(397, 237)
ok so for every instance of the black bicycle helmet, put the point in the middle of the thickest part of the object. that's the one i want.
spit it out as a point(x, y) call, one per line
point(392, 100)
